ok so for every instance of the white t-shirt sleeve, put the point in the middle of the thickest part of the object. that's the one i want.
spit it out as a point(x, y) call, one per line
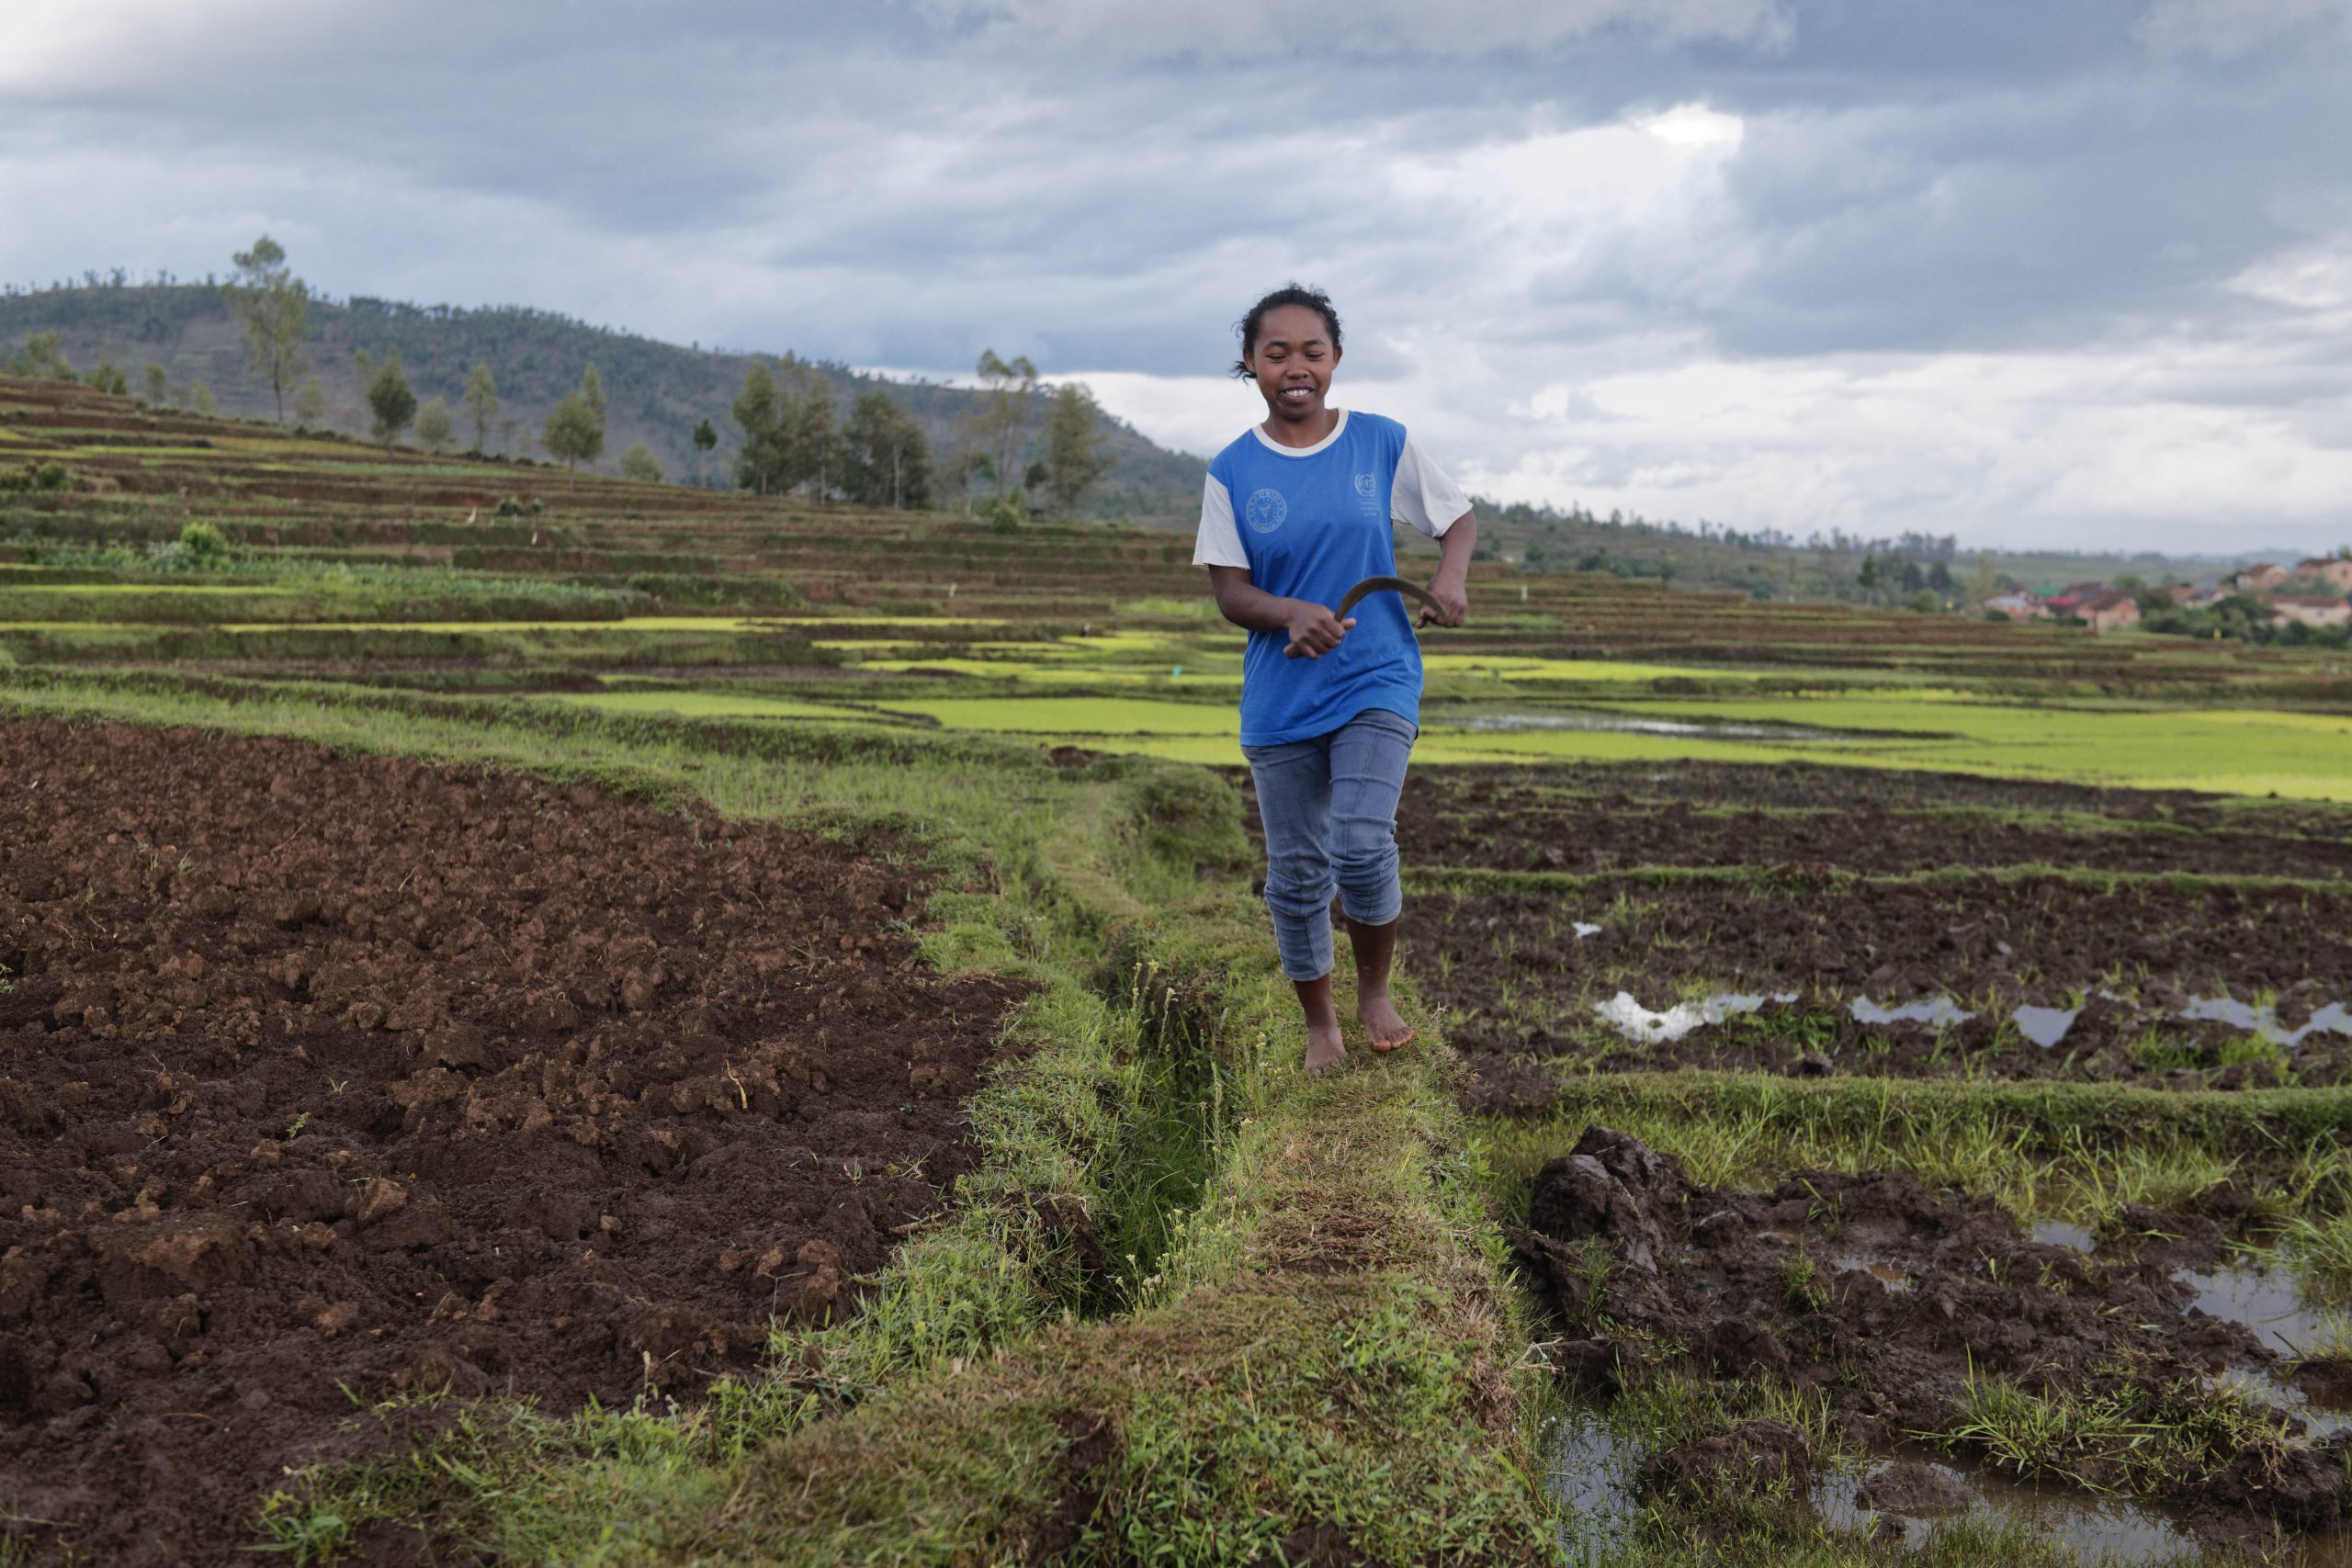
point(1219, 543)
point(1422, 498)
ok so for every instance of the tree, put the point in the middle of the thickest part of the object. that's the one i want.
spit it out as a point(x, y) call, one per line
point(1983, 581)
point(637, 463)
point(274, 307)
point(43, 358)
point(480, 401)
point(310, 402)
point(390, 400)
point(573, 432)
point(1867, 579)
point(810, 446)
point(1000, 422)
point(885, 459)
point(200, 398)
point(435, 430)
point(705, 438)
point(759, 459)
point(154, 385)
point(1075, 457)
point(106, 378)
point(576, 430)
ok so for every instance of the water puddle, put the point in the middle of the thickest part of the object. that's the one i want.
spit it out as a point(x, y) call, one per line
point(2265, 1300)
point(2045, 1026)
point(2064, 1232)
point(2263, 1022)
point(1634, 1022)
point(1885, 1273)
point(2114, 1530)
point(1939, 1012)
point(1620, 724)
point(2324, 1418)
point(1590, 1473)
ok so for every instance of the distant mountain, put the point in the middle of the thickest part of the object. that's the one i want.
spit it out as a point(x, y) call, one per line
point(655, 392)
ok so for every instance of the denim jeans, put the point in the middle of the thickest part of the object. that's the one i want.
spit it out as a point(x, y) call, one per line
point(1329, 807)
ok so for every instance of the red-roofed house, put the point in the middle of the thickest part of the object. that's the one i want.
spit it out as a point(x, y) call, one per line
point(2260, 576)
point(2110, 610)
point(2311, 609)
point(2333, 571)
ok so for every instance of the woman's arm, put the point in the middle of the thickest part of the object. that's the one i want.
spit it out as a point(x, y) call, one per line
point(1314, 630)
point(1450, 586)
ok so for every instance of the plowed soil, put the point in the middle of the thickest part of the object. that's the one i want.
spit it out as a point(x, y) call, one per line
point(1889, 1301)
point(321, 1070)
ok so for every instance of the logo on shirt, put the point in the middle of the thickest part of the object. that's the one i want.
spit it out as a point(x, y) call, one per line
point(1368, 495)
point(1265, 511)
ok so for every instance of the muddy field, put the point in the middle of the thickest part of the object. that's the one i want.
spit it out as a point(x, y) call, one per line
point(1899, 1308)
point(1876, 936)
point(321, 1070)
point(1539, 974)
point(1444, 822)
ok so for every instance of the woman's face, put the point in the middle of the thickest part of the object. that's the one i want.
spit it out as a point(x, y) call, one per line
point(1292, 360)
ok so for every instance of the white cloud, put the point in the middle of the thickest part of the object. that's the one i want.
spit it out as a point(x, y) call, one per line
point(2233, 29)
point(1695, 125)
point(1246, 29)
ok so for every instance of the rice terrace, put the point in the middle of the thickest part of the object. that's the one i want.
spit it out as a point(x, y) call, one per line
point(555, 1019)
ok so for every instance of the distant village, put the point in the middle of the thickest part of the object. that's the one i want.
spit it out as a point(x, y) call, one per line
point(2265, 599)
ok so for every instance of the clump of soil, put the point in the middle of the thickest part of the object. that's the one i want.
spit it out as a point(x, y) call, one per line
point(319, 1070)
point(1890, 1301)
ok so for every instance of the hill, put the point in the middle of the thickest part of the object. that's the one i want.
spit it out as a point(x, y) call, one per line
point(656, 391)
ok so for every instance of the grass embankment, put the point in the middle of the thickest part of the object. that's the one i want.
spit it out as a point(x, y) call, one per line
point(1193, 1307)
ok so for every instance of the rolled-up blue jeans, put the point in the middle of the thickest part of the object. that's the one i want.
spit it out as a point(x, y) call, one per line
point(1329, 807)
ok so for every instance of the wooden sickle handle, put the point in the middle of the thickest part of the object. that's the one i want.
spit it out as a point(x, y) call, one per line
point(1371, 585)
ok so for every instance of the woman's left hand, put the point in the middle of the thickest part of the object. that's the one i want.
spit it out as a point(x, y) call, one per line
point(1454, 595)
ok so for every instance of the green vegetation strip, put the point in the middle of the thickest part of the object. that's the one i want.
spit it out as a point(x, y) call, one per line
point(1301, 1325)
point(2053, 1150)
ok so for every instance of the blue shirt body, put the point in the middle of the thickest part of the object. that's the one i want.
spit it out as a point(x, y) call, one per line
point(1314, 524)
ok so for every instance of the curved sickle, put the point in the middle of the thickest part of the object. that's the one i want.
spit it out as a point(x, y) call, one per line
point(1371, 585)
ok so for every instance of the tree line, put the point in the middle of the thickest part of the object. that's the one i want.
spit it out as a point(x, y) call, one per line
point(880, 457)
point(1025, 448)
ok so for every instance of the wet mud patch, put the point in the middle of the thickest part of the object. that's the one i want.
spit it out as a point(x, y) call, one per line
point(1908, 1317)
point(1494, 792)
point(321, 1070)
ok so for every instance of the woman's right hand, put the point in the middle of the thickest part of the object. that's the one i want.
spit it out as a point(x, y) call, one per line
point(1314, 630)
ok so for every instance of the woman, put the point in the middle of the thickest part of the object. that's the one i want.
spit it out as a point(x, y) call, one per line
point(1296, 511)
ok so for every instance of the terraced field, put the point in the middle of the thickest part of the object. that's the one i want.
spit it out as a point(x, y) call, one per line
point(478, 939)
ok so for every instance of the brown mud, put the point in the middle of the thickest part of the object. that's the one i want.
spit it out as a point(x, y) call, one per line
point(1887, 1301)
point(1505, 790)
point(321, 1071)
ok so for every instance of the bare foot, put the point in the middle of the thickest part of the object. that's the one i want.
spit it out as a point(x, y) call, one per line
point(1324, 1050)
point(1383, 1023)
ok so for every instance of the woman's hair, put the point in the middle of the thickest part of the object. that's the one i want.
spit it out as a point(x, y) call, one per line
point(1314, 299)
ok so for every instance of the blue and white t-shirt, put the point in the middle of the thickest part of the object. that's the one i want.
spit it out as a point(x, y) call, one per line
point(1310, 523)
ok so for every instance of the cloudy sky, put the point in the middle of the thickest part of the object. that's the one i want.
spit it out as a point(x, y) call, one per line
point(2032, 271)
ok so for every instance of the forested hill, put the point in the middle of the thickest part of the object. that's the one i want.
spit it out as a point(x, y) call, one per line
point(655, 392)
